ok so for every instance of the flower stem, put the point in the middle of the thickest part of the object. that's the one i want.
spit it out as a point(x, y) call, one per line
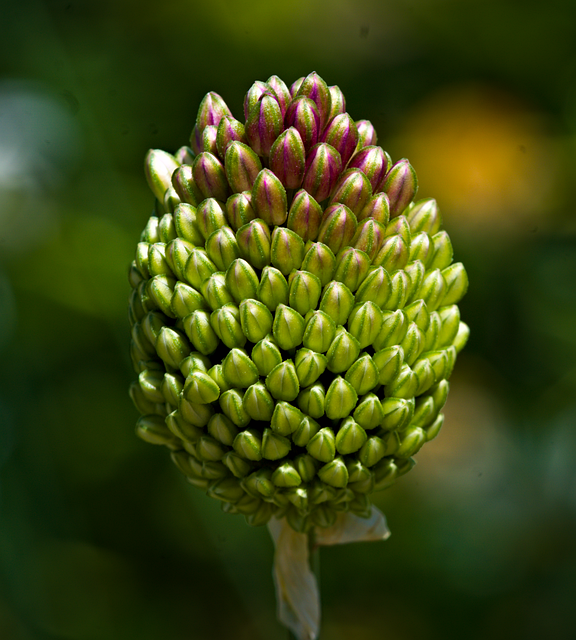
point(314, 561)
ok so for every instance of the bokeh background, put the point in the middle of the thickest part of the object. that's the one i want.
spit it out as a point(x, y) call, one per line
point(101, 538)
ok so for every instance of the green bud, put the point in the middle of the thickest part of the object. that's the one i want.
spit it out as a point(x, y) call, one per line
point(254, 243)
point(260, 517)
point(142, 253)
point(341, 399)
point(338, 102)
point(365, 323)
point(372, 451)
point(369, 413)
point(320, 492)
point(186, 187)
point(172, 385)
point(415, 272)
point(150, 233)
point(222, 429)
point(241, 280)
point(377, 287)
point(421, 247)
point(388, 362)
point(182, 429)
point(288, 328)
point(450, 318)
point(274, 446)
point(451, 357)
point(153, 429)
point(134, 275)
point(398, 413)
point(258, 403)
point(177, 254)
point(231, 405)
point(273, 288)
point(433, 289)
point(357, 472)
point(141, 402)
point(369, 237)
point(306, 430)
point(319, 332)
point(287, 250)
point(304, 291)
point(222, 247)
point(160, 290)
point(378, 207)
point(461, 337)
point(269, 199)
point(171, 200)
point(352, 267)
point(393, 253)
point(200, 388)
point(298, 496)
point(312, 399)
point(229, 131)
point(399, 226)
point(266, 355)
point(306, 466)
point(439, 361)
point(337, 301)
point(227, 489)
point(343, 351)
point(198, 268)
point(322, 445)
point(417, 312)
point(337, 227)
point(239, 209)
point(215, 291)
point(151, 384)
point(425, 413)
point(282, 381)
point(242, 166)
point(210, 176)
point(157, 264)
point(334, 473)
point(350, 438)
point(238, 370)
point(158, 168)
point(424, 215)
point(226, 324)
point(426, 376)
point(239, 467)
point(441, 251)
point(404, 385)
point(145, 342)
point(399, 283)
point(172, 347)
point(198, 328)
point(286, 476)
point(256, 320)
point(304, 216)
point(385, 474)
point(363, 375)
point(320, 261)
point(286, 418)
point(434, 429)
point(197, 415)
point(433, 332)
point(209, 449)
point(310, 365)
point(248, 444)
point(210, 216)
point(216, 374)
point(456, 280)
point(412, 343)
point(360, 505)
point(412, 440)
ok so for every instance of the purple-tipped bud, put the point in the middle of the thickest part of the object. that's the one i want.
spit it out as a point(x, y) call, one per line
point(352, 189)
point(378, 207)
point(304, 216)
point(184, 185)
point(281, 90)
point(254, 243)
point(369, 237)
point(338, 227)
point(366, 134)
point(295, 86)
point(256, 91)
point(264, 124)
point(210, 216)
point(401, 185)
point(211, 110)
point(209, 139)
point(229, 130)
point(184, 155)
point(316, 89)
point(210, 176)
point(196, 140)
point(338, 102)
point(242, 166)
point(302, 114)
point(342, 134)
point(159, 167)
point(323, 167)
point(269, 199)
point(239, 209)
point(287, 250)
point(372, 162)
point(288, 159)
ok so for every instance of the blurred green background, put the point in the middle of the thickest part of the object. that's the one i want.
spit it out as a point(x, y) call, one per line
point(101, 538)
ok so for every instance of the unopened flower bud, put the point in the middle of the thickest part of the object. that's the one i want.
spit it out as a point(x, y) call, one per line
point(238, 370)
point(302, 115)
point(264, 124)
point(424, 215)
point(412, 440)
point(209, 139)
point(186, 225)
point(306, 430)
point(210, 176)
point(222, 429)
point(341, 399)
point(456, 280)
point(415, 272)
point(239, 467)
point(461, 337)
point(372, 451)
point(412, 343)
point(334, 473)
point(350, 438)
point(248, 444)
point(256, 319)
point(352, 189)
point(342, 134)
point(337, 301)
point(274, 446)
point(365, 323)
point(160, 290)
point(323, 168)
point(172, 347)
point(229, 131)
point(404, 385)
point(310, 365)
point(337, 102)
point(185, 186)
point(366, 134)
point(352, 267)
point(150, 382)
point(401, 185)
point(363, 375)
point(368, 413)
point(378, 207)
point(282, 381)
point(211, 110)
point(231, 404)
point(432, 289)
point(210, 216)
point(393, 254)
point(420, 247)
point(322, 445)
point(286, 476)
point(158, 168)
point(226, 323)
point(185, 300)
point(242, 166)
point(287, 250)
point(273, 288)
point(198, 267)
point(200, 388)
point(281, 91)
point(311, 400)
point(241, 280)
point(319, 332)
point(304, 291)
point(286, 418)
point(266, 355)
point(196, 361)
point(239, 209)
point(434, 429)
point(316, 89)
point(287, 158)
point(199, 330)
point(388, 361)
point(153, 429)
point(258, 403)
point(269, 198)
point(222, 247)
point(399, 283)
point(319, 260)
point(343, 351)
point(372, 162)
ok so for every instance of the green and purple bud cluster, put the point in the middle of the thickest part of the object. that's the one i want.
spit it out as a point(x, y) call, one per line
point(294, 311)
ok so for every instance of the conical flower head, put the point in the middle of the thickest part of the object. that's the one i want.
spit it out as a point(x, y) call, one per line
point(294, 312)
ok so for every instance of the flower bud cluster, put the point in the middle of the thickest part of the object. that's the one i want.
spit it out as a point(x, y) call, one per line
point(293, 309)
